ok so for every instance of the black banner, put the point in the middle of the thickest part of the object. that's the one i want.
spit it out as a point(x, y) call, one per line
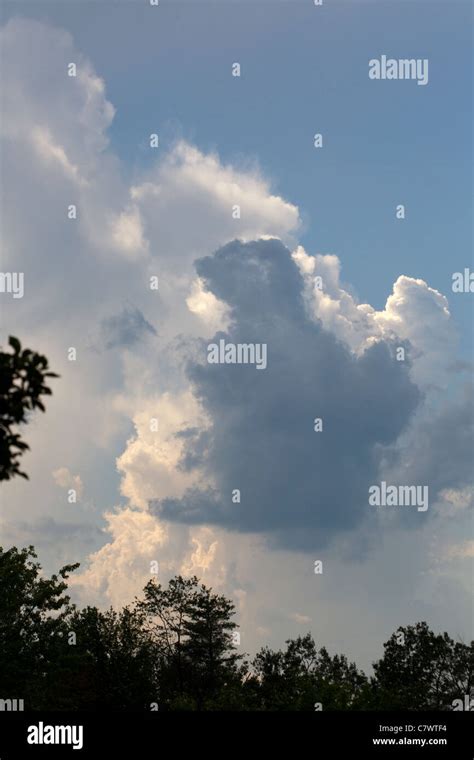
point(382, 734)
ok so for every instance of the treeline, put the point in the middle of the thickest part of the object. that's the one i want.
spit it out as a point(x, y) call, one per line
point(176, 648)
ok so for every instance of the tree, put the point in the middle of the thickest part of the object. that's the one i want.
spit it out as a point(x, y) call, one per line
point(33, 611)
point(421, 670)
point(174, 649)
point(111, 664)
point(56, 657)
point(166, 611)
point(192, 628)
point(22, 384)
point(303, 677)
point(209, 644)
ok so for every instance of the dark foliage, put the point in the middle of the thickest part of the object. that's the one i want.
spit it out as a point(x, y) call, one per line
point(22, 386)
point(174, 650)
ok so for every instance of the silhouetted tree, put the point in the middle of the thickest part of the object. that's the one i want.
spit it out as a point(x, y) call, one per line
point(33, 611)
point(302, 677)
point(166, 611)
point(174, 650)
point(111, 664)
point(421, 670)
point(192, 628)
point(22, 384)
point(209, 644)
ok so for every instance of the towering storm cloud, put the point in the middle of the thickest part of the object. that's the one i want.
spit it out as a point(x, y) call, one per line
point(211, 412)
point(292, 449)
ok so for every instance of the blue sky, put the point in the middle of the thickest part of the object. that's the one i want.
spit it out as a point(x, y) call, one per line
point(304, 70)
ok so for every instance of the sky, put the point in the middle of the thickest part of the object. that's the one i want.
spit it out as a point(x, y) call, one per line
point(153, 438)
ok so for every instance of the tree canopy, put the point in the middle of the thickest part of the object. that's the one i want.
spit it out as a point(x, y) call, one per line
point(175, 649)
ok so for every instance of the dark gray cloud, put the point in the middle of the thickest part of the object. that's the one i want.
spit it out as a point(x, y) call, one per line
point(124, 329)
point(298, 486)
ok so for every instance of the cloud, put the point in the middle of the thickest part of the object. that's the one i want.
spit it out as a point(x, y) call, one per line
point(57, 542)
point(456, 500)
point(462, 550)
point(127, 232)
point(56, 148)
point(50, 97)
point(203, 554)
point(438, 450)
point(121, 568)
point(151, 460)
point(300, 619)
point(65, 479)
point(212, 311)
point(299, 486)
point(125, 328)
point(49, 531)
point(55, 154)
point(188, 185)
point(414, 312)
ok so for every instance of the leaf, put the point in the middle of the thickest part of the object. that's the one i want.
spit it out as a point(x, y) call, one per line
point(15, 344)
